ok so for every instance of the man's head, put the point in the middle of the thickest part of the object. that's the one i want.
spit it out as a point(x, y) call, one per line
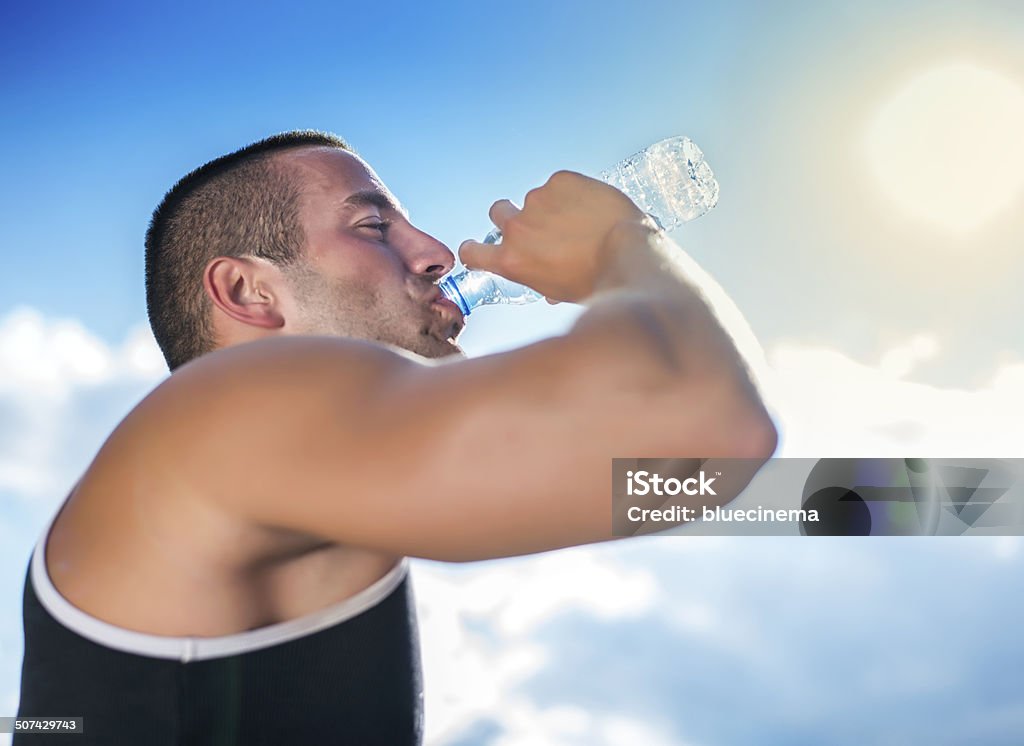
point(294, 234)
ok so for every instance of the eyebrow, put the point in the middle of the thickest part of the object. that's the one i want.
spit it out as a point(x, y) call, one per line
point(374, 198)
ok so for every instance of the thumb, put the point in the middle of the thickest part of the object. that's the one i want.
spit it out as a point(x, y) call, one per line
point(476, 255)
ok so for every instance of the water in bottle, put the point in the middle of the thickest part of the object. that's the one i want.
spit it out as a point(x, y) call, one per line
point(669, 180)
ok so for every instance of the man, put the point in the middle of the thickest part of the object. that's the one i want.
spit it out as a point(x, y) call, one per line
point(231, 567)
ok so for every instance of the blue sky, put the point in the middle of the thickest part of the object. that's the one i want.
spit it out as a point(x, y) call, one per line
point(884, 330)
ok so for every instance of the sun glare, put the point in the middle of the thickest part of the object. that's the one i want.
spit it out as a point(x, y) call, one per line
point(948, 147)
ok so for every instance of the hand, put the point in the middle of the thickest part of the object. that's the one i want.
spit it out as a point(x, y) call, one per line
point(557, 243)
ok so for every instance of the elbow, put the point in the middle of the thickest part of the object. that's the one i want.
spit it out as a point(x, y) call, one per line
point(730, 430)
point(742, 426)
point(757, 438)
point(748, 427)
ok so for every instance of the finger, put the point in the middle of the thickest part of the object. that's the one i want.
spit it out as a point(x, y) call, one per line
point(501, 211)
point(476, 255)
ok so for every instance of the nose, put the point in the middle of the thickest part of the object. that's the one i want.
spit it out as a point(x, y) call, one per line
point(425, 255)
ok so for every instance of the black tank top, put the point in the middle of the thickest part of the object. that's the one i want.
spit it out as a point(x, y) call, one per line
point(348, 674)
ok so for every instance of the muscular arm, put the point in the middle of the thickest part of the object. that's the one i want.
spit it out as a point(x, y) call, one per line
point(363, 445)
point(500, 455)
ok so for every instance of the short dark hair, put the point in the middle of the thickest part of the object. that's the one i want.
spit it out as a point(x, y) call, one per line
point(241, 204)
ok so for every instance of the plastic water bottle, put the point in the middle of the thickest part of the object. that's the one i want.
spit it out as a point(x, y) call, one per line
point(669, 180)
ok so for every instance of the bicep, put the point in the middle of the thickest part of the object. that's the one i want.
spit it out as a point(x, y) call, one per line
point(494, 456)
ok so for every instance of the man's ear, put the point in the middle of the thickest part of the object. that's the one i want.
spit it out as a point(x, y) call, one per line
point(244, 288)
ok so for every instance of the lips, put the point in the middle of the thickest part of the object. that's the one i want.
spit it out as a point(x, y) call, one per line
point(437, 301)
point(447, 320)
point(446, 306)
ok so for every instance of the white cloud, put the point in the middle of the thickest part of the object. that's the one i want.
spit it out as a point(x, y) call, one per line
point(829, 404)
point(139, 356)
point(900, 360)
point(478, 624)
point(47, 367)
point(526, 724)
point(47, 359)
point(557, 582)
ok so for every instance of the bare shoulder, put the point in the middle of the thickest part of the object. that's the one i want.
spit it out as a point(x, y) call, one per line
point(229, 413)
point(143, 524)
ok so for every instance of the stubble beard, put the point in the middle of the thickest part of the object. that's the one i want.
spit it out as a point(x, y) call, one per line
point(358, 312)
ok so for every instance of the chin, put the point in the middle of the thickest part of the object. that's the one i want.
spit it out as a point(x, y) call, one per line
point(447, 348)
point(425, 345)
point(434, 342)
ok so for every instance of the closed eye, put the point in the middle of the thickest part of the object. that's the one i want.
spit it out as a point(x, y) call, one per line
point(380, 226)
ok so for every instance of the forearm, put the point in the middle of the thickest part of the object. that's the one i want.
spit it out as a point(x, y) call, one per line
point(672, 322)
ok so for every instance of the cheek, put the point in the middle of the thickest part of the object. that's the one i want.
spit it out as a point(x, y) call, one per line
point(371, 259)
point(359, 263)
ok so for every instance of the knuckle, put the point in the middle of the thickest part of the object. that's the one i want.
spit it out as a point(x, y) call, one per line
point(513, 226)
point(562, 178)
point(533, 196)
point(467, 252)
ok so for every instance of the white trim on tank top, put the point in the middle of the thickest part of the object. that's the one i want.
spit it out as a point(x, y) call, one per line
point(187, 649)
